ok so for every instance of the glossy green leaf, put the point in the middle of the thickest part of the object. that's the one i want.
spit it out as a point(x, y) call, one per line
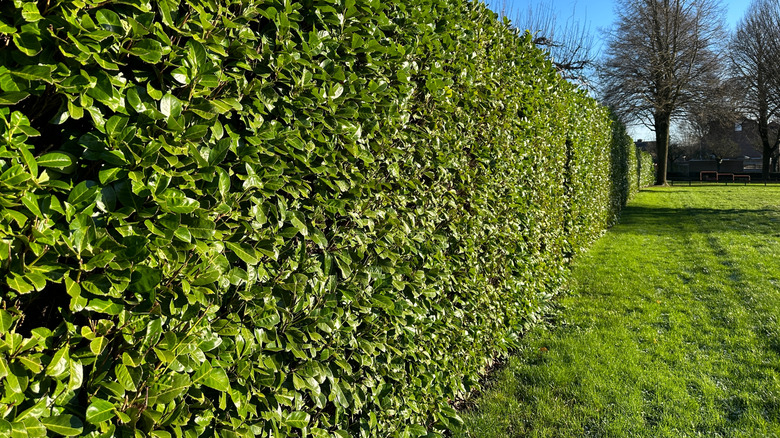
point(125, 378)
point(244, 252)
point(297, 220)
point(71, 287)
point(5, 321)
point(224, 183)
point(297, 419)
point(31, 202)
point(172, 386)
point(74, 111)
point(338, 397)
point(145, 279)
point(115, 125)
point(99, 411)
point(65, 425)
point(29, 162)
point(30, 12)
point(148, 50)
point(170, 106)
point(35, 73)
point(19, 284)
point(383, 301)
point(31, 363)
point(56, 160)
point(196, 132)
point(100, 261)
point(153, 331)
point(108, 18)
point(153, 92)
point(4, 371)
point(104, 306)
point(75, 375)
point(59, 363)
point(27, 43)
point(13, 97)
point(268, 321)
point(84, 192)
point(30, 426)
point(215, 378)
point(183, 234)
point(175, 201)
point(15, 216)
point(98, 344)
point(37, 279)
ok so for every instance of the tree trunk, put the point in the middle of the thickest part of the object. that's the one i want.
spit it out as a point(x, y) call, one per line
point(662, 122)
point(763, 134)
point(767, 150)
point(766, 163)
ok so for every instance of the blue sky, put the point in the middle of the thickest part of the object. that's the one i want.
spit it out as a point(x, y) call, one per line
point(599, 15)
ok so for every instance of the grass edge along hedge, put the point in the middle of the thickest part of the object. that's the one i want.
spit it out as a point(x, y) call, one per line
point(273, 218)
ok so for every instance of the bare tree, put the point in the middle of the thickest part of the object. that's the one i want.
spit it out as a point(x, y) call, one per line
point(685, 144)
point(570, 43)
point(658, 60)
point(710, 118)
point(754, 57)
point(717, 141)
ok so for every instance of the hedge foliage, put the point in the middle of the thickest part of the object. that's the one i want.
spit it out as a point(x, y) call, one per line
point(632, 169)
point(646, 169)
point(279, 218)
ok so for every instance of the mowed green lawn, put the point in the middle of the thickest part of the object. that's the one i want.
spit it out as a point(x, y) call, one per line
point(670, 328)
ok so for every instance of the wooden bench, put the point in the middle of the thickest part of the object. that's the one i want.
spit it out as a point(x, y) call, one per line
point(708, 173)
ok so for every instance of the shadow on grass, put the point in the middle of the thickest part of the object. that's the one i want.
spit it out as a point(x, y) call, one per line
point(660, 221)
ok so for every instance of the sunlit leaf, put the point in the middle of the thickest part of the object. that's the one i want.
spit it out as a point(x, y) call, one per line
point(66, 425)
point(212, 377)
point(99, 411)
point(57, 160)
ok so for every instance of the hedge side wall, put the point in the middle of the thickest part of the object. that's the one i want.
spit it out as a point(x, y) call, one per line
point(646, 169)
point(626, 176)
point(263, 218)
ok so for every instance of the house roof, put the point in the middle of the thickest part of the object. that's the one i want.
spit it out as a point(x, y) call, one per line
point(745, 134)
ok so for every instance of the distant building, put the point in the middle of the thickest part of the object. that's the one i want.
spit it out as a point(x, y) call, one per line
point(745, 134)
point(730, 149)
point(647, 146)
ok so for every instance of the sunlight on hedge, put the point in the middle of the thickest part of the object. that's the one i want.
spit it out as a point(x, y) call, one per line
point(240, 218)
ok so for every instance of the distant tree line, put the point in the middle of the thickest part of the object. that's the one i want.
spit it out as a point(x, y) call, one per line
point(673, 63)
point(754, 55)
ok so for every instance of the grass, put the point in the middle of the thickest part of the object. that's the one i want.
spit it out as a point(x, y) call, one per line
point(670, 329)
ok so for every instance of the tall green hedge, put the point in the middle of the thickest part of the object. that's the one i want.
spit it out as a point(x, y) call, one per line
point(632, 169)
point(646, 169)
point(278, 218)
